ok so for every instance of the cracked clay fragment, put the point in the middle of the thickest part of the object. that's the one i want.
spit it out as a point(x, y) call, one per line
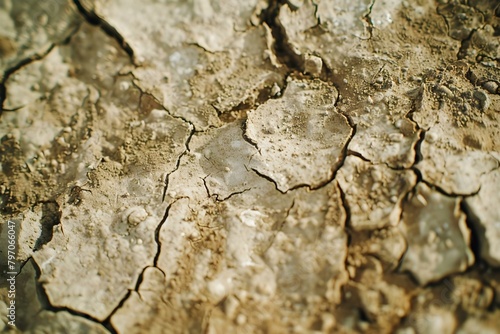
point(149, 298)
point(486, 216)
point(29, 29)
point(453, 161)
point(224, 157)
point(194, 63)
point(317, 267)
point(437, 236)
point(374, 192)
point(301, 137)
point(100, 232)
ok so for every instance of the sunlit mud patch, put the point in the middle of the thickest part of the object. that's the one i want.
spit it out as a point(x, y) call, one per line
point(302, 128)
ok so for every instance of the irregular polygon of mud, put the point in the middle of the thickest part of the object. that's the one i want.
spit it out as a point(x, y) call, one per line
point(454, 158)
point(374, 192)
point(381, 137)
point(156, 314)
point(302, 128)
point(29, 30)
point(437, 236)
point(193, 64)
point(314, 222)
point(486, 217)
point(127, 229)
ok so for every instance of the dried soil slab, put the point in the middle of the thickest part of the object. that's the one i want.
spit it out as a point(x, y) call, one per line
point(252, 220)
point(29, 29)
point(338, 34)
point(462, 137)
point(73, 113)
point(308, 252)
point(194, 54)
point(343, 20)
point(31, 316)
point(215, 165)
point(373, 192)
point(454, 158)
point(486, 216)
point(437, 236)
point(156, 315)
point(383, 134)
point(108, 228)
point(209, 251)
point(99, 249)
point(302, 129)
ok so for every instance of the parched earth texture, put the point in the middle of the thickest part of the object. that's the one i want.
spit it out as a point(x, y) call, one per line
point(225, 166)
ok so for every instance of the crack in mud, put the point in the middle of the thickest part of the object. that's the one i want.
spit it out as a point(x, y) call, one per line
point(464, 45)
point(91, 17)
point(186, 151)
point(158, 231)
point(367, 18)
point(13, 69)
point(216, 196)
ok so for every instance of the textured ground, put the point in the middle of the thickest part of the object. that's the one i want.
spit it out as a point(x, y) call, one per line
point(300, 166)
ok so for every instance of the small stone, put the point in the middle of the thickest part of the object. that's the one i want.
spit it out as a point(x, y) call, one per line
point(275, 90)
point(484, 100)
point(241, 319)
point(313, 65)
point(491, 86)
point(445, 91)
point(136, 215)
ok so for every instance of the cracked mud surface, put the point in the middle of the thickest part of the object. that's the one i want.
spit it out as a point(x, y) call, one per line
point(300, 166)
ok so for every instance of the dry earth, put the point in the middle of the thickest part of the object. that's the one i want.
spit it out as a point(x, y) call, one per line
point(225, 166)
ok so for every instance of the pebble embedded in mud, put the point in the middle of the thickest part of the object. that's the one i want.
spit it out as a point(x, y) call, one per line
point(491, 86)
point(437, 236)
point(135, 215)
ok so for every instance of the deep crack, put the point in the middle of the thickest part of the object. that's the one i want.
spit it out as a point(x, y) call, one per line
point(94, 19)
point(281, 46)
